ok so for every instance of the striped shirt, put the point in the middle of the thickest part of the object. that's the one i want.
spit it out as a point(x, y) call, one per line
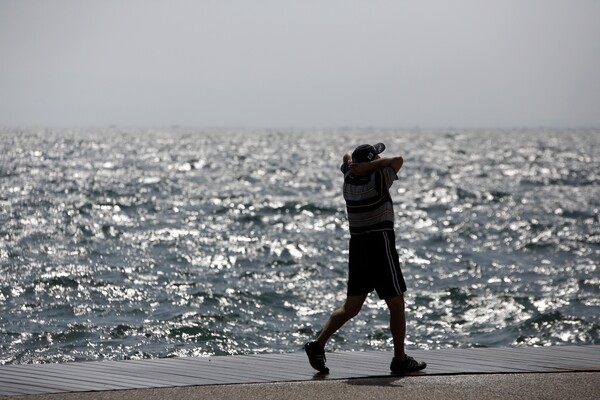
point(368, 201)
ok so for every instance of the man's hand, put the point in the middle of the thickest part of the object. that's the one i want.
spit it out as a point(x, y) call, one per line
point(347, 159)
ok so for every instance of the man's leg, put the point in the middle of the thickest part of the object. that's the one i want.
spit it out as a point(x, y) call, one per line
point(340, 316)
point(397, 324)
point(315, 350)
point(401, 363)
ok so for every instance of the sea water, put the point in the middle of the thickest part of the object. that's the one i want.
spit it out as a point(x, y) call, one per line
point(146, 243)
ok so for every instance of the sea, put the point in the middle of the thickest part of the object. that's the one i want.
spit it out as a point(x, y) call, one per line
point(130, 243)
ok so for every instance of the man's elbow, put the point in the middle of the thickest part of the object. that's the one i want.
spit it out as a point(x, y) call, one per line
point(397, 163)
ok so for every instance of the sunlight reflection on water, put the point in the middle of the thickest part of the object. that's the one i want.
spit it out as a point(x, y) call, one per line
point(132, 244)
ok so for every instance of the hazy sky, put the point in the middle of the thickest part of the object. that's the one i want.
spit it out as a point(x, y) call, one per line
point(300, 63)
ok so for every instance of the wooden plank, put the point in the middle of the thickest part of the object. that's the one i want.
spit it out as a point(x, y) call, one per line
point(227, 371)
point(75, 376)
point(85, 376)
point(141, 374)
point(588, 355)
point(531, 361)
point(51, 381)
point(47, 386)
point(12, 388)
point(554, 359)
point(175, 371)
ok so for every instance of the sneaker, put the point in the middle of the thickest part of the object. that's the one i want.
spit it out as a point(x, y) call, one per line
point(406, 366)
point(316, 356)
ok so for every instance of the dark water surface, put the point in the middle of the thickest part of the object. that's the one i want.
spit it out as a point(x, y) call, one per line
point(120, 244)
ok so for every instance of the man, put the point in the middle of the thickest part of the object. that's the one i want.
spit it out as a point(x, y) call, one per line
point(373, 260)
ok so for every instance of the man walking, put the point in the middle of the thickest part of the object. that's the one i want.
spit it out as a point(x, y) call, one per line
point(373, 260)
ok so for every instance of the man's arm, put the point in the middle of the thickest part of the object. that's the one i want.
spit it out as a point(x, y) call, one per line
point(367, 168)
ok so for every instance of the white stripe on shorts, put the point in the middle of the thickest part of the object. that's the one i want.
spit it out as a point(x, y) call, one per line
point(391, 263)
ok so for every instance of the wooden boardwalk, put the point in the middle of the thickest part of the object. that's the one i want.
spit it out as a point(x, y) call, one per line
point(193, 371)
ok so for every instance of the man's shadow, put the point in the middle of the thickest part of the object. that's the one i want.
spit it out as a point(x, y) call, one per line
point(382, 381)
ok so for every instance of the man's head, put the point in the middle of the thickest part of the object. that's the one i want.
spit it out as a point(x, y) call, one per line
point(367, 152)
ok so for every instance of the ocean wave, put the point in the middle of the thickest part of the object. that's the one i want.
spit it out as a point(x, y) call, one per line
point(124, 244)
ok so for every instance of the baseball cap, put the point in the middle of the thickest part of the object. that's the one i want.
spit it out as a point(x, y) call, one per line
point(367, 152)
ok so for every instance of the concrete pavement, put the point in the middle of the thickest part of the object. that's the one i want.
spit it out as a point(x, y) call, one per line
point(550, 386)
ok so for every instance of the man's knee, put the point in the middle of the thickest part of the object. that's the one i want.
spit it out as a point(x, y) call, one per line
point(351, 311)
point(396, 304)
point(352, 307)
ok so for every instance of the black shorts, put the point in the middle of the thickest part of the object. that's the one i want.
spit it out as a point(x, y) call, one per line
point(374, 265)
